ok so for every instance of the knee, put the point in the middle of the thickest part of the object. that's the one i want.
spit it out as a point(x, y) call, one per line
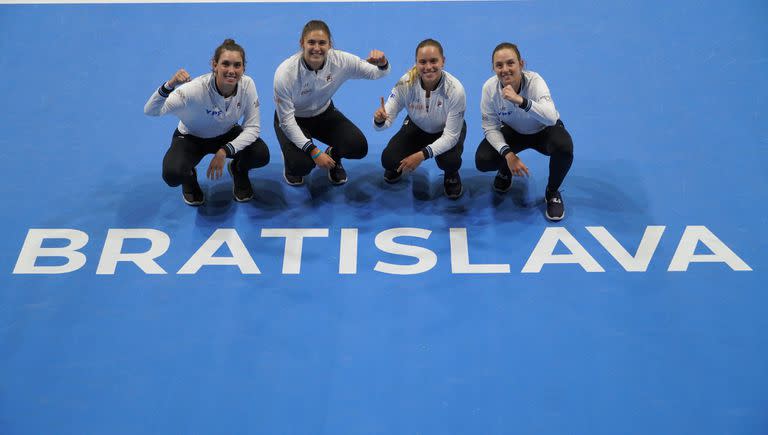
point(352, 144)
point(481, 165)
point(173, 175)
point(262, 158)
point(485, 162)
point(255, 155)
point(389, 159)
point(561, 142)
point(357, 149)
point(563, 150)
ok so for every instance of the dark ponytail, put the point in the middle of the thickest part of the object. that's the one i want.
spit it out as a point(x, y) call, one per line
point(230, 45)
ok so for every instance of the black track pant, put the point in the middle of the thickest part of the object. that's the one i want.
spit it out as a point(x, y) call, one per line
point(554, 141)
point(186, 151)
point(330, 127)
point(411, 139)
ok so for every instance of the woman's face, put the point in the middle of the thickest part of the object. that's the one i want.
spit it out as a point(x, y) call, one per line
point(507, 66)
point(315, 46)
point(429, 64)
point(228, 69)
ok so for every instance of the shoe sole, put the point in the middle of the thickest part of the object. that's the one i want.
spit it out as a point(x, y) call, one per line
point(234, 195)
point(461, 192)
point(192, 203)
point(293, 184)
point(502, 191)
point(336, 183)
point(241, 199)
point(554, 219)
point(393, 180)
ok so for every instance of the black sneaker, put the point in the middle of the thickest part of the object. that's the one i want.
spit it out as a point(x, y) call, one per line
point(241, 185)
point(392, 177)
point(293, 180)
point(191, 191)
point(502, 183)
point(555, 206)
point(452, 185)
point(337, 174)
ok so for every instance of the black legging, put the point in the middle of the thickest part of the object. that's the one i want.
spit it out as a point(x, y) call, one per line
point(330, 127)
point(553, 141)
point(411, 139)
point(186, 151)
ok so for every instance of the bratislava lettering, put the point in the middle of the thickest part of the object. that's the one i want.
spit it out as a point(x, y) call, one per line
point(419, 259)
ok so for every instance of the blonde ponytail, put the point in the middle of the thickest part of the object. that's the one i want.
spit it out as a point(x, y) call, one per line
point(412, 74)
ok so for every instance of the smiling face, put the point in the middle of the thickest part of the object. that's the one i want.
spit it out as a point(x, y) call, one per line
point(228, 69)
point(508, 67)
point(429, 64)
point(315, 45)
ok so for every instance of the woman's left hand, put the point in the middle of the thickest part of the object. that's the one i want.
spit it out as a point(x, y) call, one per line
point(410, 163)
point(377, 58)
point(216, 168)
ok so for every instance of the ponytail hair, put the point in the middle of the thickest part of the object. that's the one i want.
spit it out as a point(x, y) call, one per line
point(412, 74)
point(230, 45)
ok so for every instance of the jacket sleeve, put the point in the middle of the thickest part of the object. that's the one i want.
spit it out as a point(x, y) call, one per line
point(286, 114)
point(393, 106)
point(358, 68)
point(491, 122)
point(251, 120)
point(540, 105)
point(164, 101)
point(453, 124)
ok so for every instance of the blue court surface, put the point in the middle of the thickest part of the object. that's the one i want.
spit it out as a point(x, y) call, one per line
point(377, 309)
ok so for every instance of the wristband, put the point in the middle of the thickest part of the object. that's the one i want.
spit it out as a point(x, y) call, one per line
point(229, 149)
point(314, 156)
point(308, 147)
point(164, 91)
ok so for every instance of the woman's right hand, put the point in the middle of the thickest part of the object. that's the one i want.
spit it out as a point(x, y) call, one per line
point(181, 76)
point(380, 116)
point(324, 161)
point(516, 166)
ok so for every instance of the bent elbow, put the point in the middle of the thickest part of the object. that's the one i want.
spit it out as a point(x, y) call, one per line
point(150, 111)
point(549, 117)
